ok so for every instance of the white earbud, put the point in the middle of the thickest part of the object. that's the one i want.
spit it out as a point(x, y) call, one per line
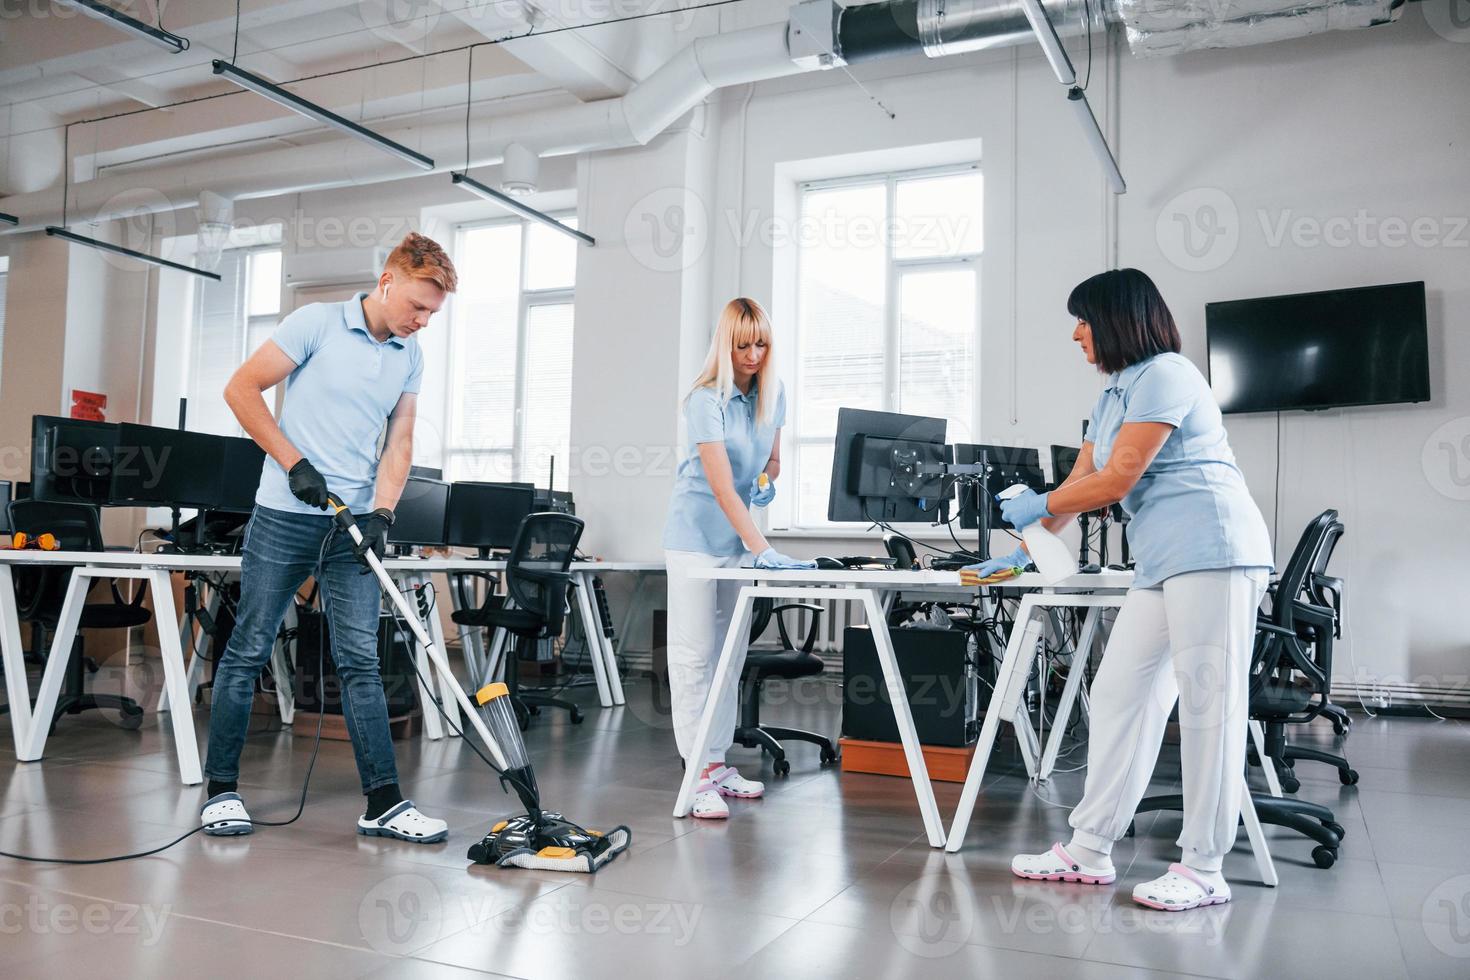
point(386, 285)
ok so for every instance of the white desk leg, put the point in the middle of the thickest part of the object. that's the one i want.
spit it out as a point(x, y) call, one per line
point(196, 646)
point(913, 752)
point(447, 683)
point(56, 662)
point(281, 669)
point(736, 638)
point(422, 673)
point(1080, 657)
point(604, 646)
point(17, 688)
point(175, 678)
point(469, 638)
point(640, 584)
point(1258, 737)
point(1257, 835)
point(1004, 702)
point(592, 633)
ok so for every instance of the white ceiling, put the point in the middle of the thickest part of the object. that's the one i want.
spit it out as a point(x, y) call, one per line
point(58, 66)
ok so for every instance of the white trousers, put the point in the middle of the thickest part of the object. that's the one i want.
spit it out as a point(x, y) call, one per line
point(699, 617)
point(1187, 640)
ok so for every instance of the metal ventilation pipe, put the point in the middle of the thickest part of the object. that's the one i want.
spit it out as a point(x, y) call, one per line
point(945, 27)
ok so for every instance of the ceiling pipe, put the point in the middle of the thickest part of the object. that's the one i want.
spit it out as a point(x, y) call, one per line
point(898, 27)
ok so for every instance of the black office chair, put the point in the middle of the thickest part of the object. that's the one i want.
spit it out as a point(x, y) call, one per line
point(1326, 591)
point(1288, 683)
point(537, 579)
point(787, 663)
point(1292, 675)
point(41, 590)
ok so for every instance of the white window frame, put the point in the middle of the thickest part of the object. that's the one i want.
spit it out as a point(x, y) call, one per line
point(526, 298)
point(788, 520)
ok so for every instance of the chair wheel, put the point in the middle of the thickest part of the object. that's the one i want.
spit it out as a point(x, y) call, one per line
point(1325, 856)
point(828, 757)
point(1289, 782)
point(1336, 828)
point(1338, 727)
point(782, 767)
point(129, 721)
point(1131, 830)
point(1349, 777)
point(576, 717)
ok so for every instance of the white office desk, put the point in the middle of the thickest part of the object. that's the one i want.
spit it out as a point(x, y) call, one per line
point(30, 726)
point(875, 590)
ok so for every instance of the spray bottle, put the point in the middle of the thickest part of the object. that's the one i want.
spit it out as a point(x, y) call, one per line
point(1050, 554)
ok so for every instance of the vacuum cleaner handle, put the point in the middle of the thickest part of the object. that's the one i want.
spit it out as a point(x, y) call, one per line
point(348, 523)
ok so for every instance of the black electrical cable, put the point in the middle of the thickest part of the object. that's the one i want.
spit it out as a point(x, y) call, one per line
point(305, 783)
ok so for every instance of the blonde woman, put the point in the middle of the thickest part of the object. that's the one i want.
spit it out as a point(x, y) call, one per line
point(733, 413)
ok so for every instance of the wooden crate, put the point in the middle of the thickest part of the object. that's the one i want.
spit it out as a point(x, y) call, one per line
point(946, 764)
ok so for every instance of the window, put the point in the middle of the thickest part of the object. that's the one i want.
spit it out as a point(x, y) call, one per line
point(888, 289)
point(4, 279)
point(511, 353)
point(231, 318)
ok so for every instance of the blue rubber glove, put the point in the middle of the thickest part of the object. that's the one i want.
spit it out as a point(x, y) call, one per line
point(1016, 559)
point(1024, 509)
point(772, 560)
point(759, 497)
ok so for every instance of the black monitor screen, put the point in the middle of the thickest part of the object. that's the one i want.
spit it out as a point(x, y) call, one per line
point(1366, 346)
point(71, 459)
point(1009, 465)
point(882, 468)
point(420, 514)
point(1063, 458)
point(240, 474)
point(487, 515)
point(172, 467)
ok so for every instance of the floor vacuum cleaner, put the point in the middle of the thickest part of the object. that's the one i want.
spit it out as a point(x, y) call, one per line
point(537, 838)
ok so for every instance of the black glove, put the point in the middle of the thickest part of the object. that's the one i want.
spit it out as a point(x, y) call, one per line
point(374, 530)
point(307, 485)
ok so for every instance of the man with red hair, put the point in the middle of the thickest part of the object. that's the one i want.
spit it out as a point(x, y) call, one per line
point(351, 370)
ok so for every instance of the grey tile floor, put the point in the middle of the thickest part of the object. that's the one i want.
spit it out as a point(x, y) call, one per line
point(828, 876)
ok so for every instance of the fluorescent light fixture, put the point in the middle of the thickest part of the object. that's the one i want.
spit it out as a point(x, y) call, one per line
point(1051, 45)
point(311, 110)
point(512, 205)
point(9, 218)
point(1078, 100)
point(131, 253)
point(132, 25)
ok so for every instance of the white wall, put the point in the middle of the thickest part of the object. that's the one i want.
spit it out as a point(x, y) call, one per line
point(1321, 127)
point(1318, 128)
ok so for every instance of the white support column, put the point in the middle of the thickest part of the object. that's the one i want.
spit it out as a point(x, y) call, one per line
point(17, 688)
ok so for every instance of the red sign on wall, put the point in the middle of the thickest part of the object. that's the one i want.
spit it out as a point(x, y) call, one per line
point(89, 405)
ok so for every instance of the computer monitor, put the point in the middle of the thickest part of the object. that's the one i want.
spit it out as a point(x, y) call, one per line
point(1008, 465)
point(168, 467)
point(71, 459)
point(486, 515)
point(420, 515)
point(4, 506)
point(887, 468)
point(1063, 458)
point(427, 472)
point(239, 475)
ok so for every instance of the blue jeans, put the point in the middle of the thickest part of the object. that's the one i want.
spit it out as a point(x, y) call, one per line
point(281, 552)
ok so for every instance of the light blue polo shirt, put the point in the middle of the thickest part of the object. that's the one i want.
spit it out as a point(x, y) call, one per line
point(1190, 510)
point(696, 522)
point(338, 400)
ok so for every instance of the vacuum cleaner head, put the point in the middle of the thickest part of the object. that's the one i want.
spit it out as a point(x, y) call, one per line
point(535, 839)
point(549, 842)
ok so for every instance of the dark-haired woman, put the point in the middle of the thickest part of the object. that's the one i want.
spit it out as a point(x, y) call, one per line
point(1185, 631)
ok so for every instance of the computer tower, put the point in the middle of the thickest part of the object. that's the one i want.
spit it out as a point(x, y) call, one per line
point(944, 695)
point(323, 694)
